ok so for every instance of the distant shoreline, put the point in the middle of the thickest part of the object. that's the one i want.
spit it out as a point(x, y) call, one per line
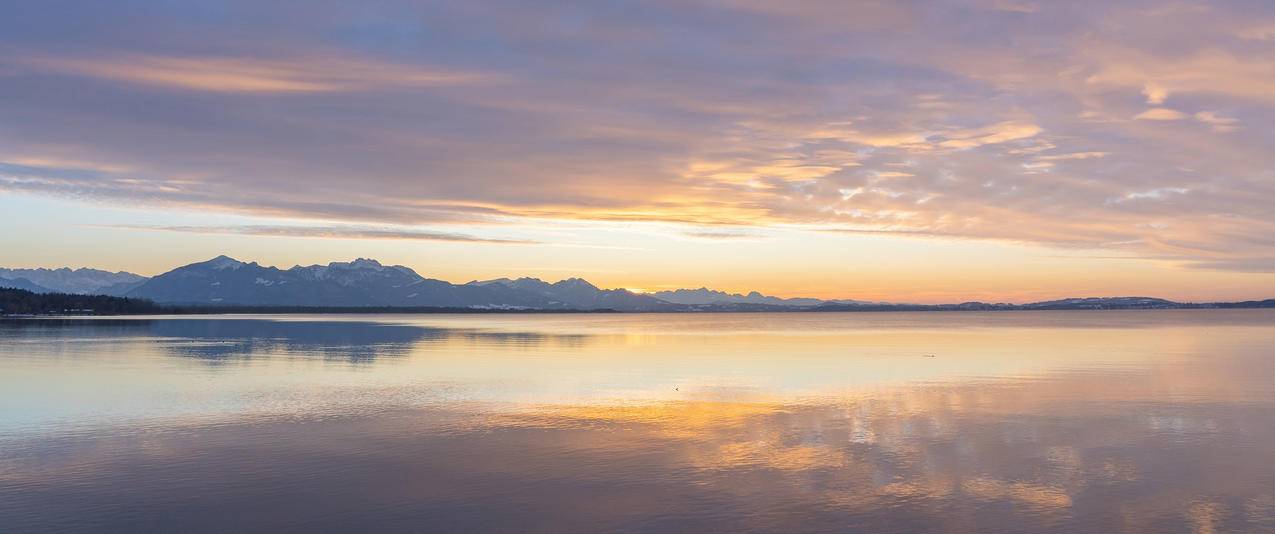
point(395, 310)
point(23, 303)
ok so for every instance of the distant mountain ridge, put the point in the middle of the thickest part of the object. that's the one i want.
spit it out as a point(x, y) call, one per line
point(706, 296)
point(578, 293)
point(24, 284)
point(366, 283)
point(80, 281)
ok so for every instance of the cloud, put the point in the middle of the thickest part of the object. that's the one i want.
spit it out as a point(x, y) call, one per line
point(1219, 124)
point(102, 187)
point(1161, 114)
point(1159, 193)
point(1074, 156)
point(721, 235)
point(938, 138)
point(1155, 94)
point(1245, 265)
point(1209, 70)
point(1016, 6)
point(988, 135)
point(331, 232)
point(251, 75)
point(1262, 31)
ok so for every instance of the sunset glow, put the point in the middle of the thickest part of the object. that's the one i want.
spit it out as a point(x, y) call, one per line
point(1004, 151)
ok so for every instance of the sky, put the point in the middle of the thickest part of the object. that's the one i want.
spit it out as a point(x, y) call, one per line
point(1000, 150)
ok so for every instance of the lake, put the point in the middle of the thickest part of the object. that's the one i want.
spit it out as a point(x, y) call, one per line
point(1078, 421)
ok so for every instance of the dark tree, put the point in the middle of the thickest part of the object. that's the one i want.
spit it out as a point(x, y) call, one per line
point(23, 302)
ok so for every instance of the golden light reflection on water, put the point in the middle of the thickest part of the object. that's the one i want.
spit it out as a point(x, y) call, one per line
point(1099, 422)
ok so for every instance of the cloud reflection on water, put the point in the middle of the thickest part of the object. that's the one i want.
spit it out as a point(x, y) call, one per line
point(577, 425)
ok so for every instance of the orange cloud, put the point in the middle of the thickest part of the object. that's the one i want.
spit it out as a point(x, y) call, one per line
point(1161, 114)
point(989, 135)
point(250, 75)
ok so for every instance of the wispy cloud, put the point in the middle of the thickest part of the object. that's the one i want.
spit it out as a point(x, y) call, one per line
point(1159, 193)
point(1246, 265)
point(1219, 123)
point(721, 235)
point(989, 135)
point(229, 74)
point(331, 232)
point(1161, 114)
point(1074, 156)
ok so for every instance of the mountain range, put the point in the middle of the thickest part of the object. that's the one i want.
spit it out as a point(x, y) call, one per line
point(363, 282)
point(225, 281)
point(81, 281)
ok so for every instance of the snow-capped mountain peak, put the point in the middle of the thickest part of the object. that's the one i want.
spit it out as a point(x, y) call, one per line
point(66, 280)
point(359, 263)
point(224, 262)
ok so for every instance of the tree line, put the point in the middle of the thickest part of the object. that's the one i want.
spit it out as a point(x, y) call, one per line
point(22, 302)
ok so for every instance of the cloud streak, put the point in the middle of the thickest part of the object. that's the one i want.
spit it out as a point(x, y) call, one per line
point(252, 75)
point(331, 232)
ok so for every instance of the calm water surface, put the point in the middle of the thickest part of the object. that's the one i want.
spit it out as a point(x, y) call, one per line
point(1151, 421)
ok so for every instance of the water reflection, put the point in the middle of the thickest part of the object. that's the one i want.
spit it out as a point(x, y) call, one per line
point(355, 342)
point(685, 465)
point(1101, 429)
point(220, 339)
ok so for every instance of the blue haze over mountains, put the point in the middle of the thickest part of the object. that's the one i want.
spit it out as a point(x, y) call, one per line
point(66, 280)
point(365, 282)
point(224, 281)
point(362, 282)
